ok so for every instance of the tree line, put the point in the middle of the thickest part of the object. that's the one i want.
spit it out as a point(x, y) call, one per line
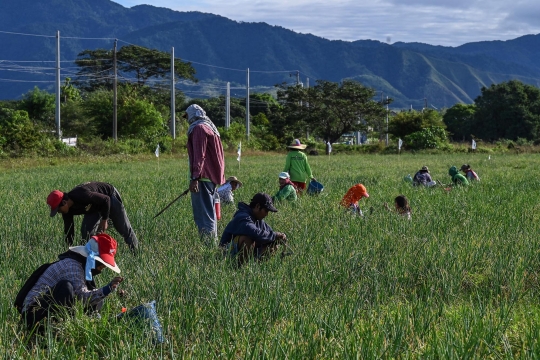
point(325, 111)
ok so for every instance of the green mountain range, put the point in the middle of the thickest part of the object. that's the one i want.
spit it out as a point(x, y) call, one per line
point(221, 50)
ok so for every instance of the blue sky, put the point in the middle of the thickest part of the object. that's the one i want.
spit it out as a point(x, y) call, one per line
point(436, 22)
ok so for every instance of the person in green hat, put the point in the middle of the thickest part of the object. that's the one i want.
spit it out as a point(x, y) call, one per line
point(457, 178)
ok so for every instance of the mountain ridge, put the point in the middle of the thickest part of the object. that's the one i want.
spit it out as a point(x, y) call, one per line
point(408, 72)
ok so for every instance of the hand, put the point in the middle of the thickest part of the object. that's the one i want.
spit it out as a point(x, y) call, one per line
point(313, 179)
point(122, 293)
point(194, 186)
point(103, 225)
point(281, 237)
point(385, 205)
point(115, 282)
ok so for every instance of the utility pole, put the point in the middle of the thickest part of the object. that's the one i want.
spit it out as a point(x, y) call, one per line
point(173, 98)
point(247, 104)
point(57, 109)
point(228, 107)
point(387, 121)
point(115, 95)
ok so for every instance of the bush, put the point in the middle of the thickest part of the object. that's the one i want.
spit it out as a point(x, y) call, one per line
point(432, 137)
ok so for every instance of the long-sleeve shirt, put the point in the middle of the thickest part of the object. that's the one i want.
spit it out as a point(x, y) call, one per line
point(225, 193)
point(89, 197)
point(296, 164)
point(205, 153)
point(243, 223)
point(288, 192)
point(72, 271)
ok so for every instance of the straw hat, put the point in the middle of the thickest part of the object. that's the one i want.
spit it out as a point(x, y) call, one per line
point(105, 246)
point(296, 144)
point(234, 179)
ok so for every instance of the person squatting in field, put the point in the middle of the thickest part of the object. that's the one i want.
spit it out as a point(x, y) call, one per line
point(56, 286)
point(457, 178)
point(207, 171)
point(225, 191)
point(296, 164)
point(469, 173)
point(98, 202)
point(247, 235)
point(423, 178)
point(287, 190)
point(352, 197)
point(401, 204)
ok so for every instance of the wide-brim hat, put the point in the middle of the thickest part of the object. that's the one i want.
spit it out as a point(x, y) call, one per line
point(106, 251)
point(234, 179)
point(296, 144)
point(425, 168)
point(465, 167)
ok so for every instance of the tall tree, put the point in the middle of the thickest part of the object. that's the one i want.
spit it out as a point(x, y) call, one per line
point(96, 66)
point(330, 109)
point(507, 111)
point(459, 120)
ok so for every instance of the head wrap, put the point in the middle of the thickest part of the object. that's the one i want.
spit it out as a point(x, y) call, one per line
point(197, 116)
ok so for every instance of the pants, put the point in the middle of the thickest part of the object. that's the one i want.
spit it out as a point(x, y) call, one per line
point(119, 219)
point(204, 212)
point(244, 248)
point(300, 186)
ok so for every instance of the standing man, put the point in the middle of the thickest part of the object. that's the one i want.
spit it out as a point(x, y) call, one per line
point(207, 170)
point(98, 202)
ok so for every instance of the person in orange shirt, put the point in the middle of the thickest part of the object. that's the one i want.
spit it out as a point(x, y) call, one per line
point(353, 195)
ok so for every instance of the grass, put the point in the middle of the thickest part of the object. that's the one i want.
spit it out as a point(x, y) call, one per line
point(461, 280)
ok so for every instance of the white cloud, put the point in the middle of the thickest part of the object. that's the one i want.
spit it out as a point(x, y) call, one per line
point(437, 22)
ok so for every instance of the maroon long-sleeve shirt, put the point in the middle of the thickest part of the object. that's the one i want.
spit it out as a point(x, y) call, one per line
point(206, 155)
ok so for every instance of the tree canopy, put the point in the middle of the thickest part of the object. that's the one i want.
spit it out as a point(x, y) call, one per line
point(328, 109)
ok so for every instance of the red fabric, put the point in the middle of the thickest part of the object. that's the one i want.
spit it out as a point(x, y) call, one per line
point(354, 194)
point(206, 155)
point(299, 185)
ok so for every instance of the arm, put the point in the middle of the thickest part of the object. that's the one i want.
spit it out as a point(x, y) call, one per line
point(74, 272)
point(308, 168)
point(288, 163)
point(69, 230)
point(260, 232)
point(280, 195)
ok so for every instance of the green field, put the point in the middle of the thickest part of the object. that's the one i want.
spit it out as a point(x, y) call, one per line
point(461, 280)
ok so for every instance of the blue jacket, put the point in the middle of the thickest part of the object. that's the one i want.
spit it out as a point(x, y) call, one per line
point(243, 223)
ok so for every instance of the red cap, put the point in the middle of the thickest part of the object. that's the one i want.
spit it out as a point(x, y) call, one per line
point(107, 248)
point(53, 200)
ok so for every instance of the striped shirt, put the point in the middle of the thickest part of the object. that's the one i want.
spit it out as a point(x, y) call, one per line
point(72, 271)
point(206, 155)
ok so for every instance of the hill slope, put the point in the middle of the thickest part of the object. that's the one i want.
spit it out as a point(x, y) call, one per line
point(407, 72)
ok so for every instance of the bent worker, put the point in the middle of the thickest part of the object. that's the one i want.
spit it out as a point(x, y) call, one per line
point(225, 191)
point(423, 178)
point(247, 234)
point(457, 178)
point(98, 202)
point(287, 190)
point(58, 285)
point(353, 196)
point(469, 173)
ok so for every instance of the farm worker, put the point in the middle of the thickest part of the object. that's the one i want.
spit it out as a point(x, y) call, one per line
point(247, 234)
point(423, 178)
point(225, 191)
point(469, 173)
point(287, 189)
point(296, 164)
point(457, 178)
point(351, 198)
point(207, 171)
point(401, 204)
point(98, 202)
point(58, 285)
